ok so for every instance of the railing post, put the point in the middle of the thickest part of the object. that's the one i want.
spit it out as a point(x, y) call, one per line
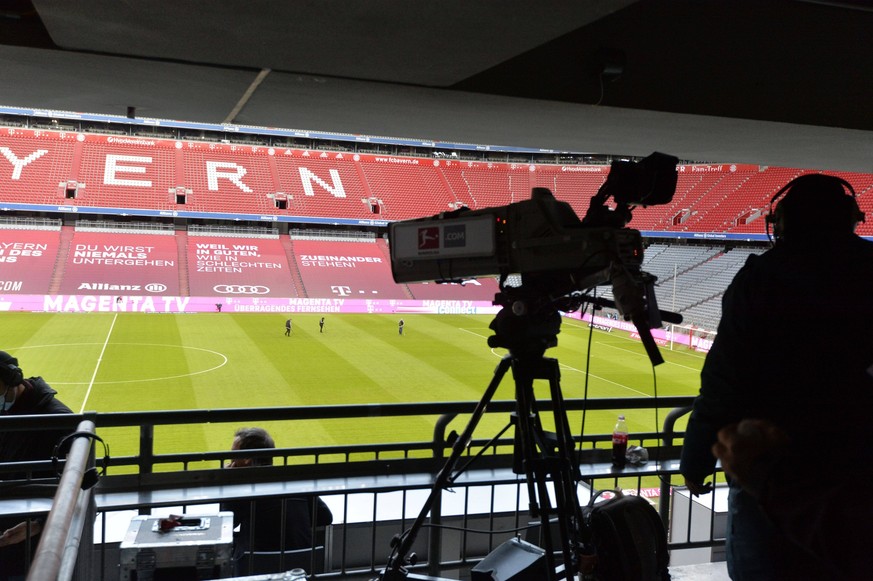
point(435, 535)
point(146, 448)
point(146, 453)
point(666, 484)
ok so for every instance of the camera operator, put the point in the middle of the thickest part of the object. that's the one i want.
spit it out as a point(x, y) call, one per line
point(816, 514)
point(778, 358)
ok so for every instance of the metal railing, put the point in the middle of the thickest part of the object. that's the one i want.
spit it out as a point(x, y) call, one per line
point(363, 479)
point(64, 532)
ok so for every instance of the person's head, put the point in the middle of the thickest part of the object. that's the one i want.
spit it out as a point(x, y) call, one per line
point(11, 378)
point(813, 204)
point(251, 439)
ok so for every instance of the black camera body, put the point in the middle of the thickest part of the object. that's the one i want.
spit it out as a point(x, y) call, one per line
point(540, 235)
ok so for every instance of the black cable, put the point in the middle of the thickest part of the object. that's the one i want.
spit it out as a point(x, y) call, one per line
point(587, 370)
point(657, 426)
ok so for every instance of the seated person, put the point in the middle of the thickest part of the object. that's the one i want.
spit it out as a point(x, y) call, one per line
point(260, 519)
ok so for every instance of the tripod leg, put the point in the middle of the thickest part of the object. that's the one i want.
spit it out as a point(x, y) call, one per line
point(395, 567)
point(538, 494)
point(543, 461)
point(568, 476)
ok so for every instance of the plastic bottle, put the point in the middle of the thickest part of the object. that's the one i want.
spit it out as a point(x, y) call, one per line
point(619, 443)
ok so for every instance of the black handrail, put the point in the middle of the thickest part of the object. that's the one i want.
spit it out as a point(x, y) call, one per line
point(146, 421)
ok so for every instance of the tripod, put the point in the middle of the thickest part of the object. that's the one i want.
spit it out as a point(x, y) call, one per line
point(542, 457)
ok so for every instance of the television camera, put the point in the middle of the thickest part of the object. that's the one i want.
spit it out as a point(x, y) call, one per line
point(558, 257)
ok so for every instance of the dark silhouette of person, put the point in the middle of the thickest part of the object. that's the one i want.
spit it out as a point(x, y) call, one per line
point(794, 348)
point(321, 325)
point(24, 396)
point(261, 521)
point(812, 512)
point(288, 328)
point(400, 327)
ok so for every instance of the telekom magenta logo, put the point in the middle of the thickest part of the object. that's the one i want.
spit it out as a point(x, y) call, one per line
point(429, 238)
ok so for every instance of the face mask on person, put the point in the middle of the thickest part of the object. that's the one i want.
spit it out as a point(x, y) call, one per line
point(7, 403)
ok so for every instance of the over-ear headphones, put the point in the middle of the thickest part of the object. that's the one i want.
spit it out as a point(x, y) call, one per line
point(91, 475)
point(828, 201)
point(10, 374)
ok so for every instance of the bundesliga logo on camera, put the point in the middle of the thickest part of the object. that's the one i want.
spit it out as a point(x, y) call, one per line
point(453, 236)
point(429, 238)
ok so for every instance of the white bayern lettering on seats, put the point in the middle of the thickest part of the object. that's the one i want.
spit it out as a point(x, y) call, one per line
point(307, 177)
point(18, 164)
point(116, 164)
point(226, 170)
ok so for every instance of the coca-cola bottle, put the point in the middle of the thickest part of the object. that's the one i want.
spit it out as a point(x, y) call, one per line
point(619, 443)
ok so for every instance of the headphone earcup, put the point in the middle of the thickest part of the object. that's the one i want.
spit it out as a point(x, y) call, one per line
point(90, 478)
point(11, 375)
point(775, 219)
point(854, 211)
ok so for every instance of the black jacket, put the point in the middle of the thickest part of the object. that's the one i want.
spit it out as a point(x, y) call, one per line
point(37, 398)
point(262, 523)
point(795, 347)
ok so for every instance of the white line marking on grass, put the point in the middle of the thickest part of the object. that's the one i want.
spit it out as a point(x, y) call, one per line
point(473, 333)
point(99, 360)
point(564, 366)
point(162, 378)
point(645, 355)
point(166, 377)
point(688, 353)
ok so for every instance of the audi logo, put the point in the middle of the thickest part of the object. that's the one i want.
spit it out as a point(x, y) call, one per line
point(240, 289)
point(156, 287)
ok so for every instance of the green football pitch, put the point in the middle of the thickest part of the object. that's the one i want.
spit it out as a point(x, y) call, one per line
point(136, 362)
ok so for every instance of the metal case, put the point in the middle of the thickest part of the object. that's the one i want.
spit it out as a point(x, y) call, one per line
point(198, 547)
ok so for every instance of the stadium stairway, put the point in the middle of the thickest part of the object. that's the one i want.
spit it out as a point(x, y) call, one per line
point(182, 244)
point(386, 252)
point(296, 279)
point(66, 237)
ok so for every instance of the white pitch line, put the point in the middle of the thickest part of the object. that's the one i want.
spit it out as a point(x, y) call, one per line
point(644, 355)
point(607, 380)
point(472, 333)
point(576, 370)
point(99, 361)
point(689, 354)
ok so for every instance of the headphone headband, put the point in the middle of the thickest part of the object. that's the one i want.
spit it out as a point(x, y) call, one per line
point(806, 184)
point(91, 476)
point(818, 176)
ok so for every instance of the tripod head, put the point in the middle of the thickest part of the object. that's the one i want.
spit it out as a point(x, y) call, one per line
point(527, 325)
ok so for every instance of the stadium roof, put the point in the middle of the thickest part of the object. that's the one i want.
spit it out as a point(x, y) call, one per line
point(775, 82)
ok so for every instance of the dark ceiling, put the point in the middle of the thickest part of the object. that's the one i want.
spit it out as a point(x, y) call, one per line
point(773, 82)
